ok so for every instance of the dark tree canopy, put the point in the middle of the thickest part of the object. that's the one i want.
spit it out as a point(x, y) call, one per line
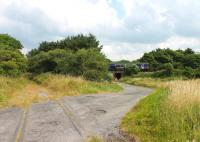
point(73, 43)
point(178, 61)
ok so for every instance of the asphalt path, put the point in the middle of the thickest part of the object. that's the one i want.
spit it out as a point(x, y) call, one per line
point(71, 119)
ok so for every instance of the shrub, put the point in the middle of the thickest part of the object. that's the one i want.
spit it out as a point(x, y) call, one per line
point(131, 70)
point(12, 63)
point(189, 72)
point(76, 56)
point(94, 66)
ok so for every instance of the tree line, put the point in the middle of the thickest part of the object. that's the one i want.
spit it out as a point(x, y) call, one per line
point(75, 55)
point(81, 55)
point(168, 62)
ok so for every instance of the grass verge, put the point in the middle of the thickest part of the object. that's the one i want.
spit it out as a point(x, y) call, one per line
point(23, 92)
point(8, 86)
point(146, 82)
point(143, 119)
point(170, 114)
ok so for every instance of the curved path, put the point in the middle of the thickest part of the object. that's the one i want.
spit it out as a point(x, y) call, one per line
point(71, 119)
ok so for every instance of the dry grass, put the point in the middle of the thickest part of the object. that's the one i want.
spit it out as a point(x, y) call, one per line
point(62, 85)
point(184, 93)
point(19, 92)
point(146, 82)
point(23, 92)
point(171, 114)
point(28, 95)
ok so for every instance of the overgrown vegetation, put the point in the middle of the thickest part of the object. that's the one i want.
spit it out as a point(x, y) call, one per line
point(66, 85)
point(170, 114)
point(76, 56)
point(70, 61)
point(146, 82)
point(8, 88)
point(167, 62)
point(23, 92)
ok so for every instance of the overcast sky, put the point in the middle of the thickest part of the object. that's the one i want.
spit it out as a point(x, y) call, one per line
point(126, 28)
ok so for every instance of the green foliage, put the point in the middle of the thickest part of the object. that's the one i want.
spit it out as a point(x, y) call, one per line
point(10, 43)
point(51, 61)
point(131, 70)
point(125, 62)
point(144, 119)
point(169, 62)
point(170, 114)
point(92, 64)
point(12, 61)
point(77, 56)
point(73, 43)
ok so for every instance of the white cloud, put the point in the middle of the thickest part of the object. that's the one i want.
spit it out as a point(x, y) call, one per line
point(144, 25)
point(131, 51)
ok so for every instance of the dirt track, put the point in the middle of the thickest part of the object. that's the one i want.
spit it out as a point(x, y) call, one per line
point(71, 119)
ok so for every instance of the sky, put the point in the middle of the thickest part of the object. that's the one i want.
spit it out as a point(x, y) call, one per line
point(126, 28)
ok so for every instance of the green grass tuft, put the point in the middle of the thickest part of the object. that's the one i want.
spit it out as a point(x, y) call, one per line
point(143, 120)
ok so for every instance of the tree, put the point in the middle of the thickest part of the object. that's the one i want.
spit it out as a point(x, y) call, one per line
point(192, 60)
point(73, 43)
point(94, 66)
point(51, 61)
point(9, 43)
point(12, 61)
point(77, 56)
point(173, 60)
point(168, 67)
point(131, 70)
point(189, 51)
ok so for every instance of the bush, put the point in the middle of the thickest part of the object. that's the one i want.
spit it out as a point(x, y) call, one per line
point(9, 43)
point(173, 61)
point(131, 70)
point(160, 74)
point(178, 72)
point(76, 56)
point(94, 66)
point(197, 73)
point(12, 61)
point(53, 61)
point(189, 72)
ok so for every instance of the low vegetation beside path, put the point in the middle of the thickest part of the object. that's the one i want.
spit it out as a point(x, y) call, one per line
point(22, 91)
point(145, 82)
point(170, 114)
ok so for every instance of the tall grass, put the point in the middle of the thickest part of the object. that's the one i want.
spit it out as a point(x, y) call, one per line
point(8, 86)
point(184, 93)
point(171, 114)
point(23, 92)
point(18, 92)
point(68, 86)
point(182, 111)
point(146, 82)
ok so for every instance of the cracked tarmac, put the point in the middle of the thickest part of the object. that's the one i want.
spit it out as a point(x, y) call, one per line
point(72, 119)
